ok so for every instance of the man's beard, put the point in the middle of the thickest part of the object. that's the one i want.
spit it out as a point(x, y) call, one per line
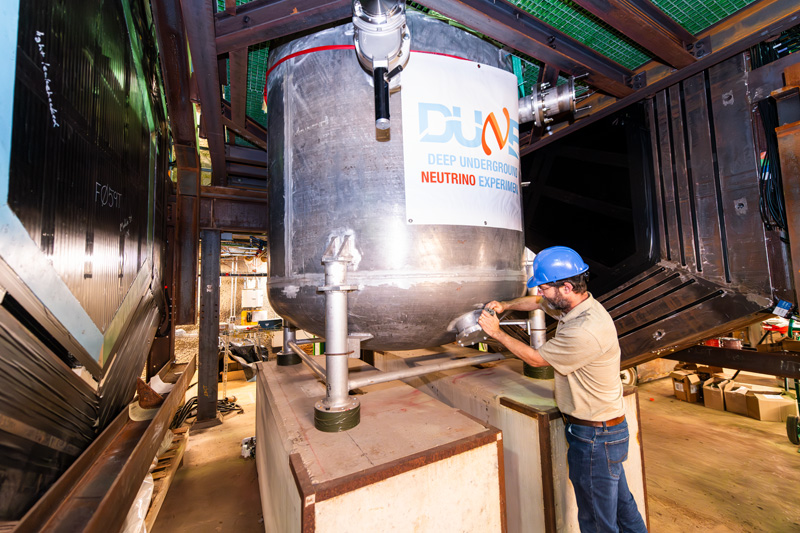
point(559, 302)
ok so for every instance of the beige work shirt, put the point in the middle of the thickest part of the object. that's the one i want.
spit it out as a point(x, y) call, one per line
point(585, 355)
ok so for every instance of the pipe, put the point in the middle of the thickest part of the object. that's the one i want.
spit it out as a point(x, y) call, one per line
point(379, 79)
point(382, 377)
point(313, 365)
point(336, 348)
point(315, 340)
point(514, 323)
point(288, 337)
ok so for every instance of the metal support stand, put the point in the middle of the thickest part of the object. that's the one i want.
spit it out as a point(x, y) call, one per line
point(287, 357)
point(338, 411)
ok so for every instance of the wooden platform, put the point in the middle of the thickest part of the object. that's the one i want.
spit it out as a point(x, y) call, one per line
point(539, 495)
point(164, 472)
point(412, 462)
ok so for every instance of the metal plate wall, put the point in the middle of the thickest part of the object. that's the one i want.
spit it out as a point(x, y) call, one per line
point(689, 257)
point(81, 151)
point(719, 267)
point(101, 128)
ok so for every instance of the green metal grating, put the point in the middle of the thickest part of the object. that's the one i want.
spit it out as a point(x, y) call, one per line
point(697, 16)
point(564, 15)
point(257, 57)
point(587, 29)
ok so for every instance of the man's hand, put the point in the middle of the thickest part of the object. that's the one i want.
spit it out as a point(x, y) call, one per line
point(498, 307)
point(490, 323)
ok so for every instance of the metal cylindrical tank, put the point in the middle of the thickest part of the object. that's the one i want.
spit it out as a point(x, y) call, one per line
point(331, 174)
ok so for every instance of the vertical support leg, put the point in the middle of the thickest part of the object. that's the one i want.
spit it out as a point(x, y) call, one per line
point(287, 357)
point(338, 411)
point(538, 330)
point(208, 365)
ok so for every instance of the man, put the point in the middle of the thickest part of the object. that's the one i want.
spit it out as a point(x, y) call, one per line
point(585, 355)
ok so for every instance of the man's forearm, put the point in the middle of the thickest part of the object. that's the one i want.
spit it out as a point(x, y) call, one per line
point(521, 350)
point(524, 303)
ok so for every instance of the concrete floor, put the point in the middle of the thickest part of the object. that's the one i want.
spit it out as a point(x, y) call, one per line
point(706, 470)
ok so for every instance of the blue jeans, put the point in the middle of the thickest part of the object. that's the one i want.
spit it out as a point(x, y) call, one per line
point(595, 457)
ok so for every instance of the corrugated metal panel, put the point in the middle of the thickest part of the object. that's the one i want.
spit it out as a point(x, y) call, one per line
point(78, 186)
point(47, 417)
point(89, 140)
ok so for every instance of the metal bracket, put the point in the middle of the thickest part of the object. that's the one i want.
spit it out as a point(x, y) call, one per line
point(354, 341)
point(637, 81)
point(700, 48)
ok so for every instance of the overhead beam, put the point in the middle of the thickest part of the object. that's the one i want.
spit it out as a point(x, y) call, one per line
point(199, 17)
point(243, 133)
point(175, 70)
point(783, 364)
point(548, 74)
point(646, 25)
point(252, 132)
point(238, 85)
point(174, 59)
point(513, 27)
point(230, 209)
point(732, 36)
point(264, 20)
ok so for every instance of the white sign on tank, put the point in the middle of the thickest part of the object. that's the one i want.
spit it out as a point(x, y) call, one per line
point(460, 143)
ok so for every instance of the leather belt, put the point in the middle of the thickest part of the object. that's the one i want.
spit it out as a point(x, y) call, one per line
point(594, 424)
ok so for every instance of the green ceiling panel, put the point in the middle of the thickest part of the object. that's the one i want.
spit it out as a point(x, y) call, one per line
point(697, 16)
point(257, 58)
point(584, 27)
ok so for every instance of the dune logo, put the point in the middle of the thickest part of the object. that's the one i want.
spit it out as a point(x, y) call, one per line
point(439, 123)
point(491, 121)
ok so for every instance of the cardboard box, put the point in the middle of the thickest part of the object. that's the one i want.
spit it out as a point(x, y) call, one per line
point(770, 406)
point(713, 396)
point(735, 397)
point(686, 385)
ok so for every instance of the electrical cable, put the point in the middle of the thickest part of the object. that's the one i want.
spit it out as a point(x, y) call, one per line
point(771, 201)
point(189, 410)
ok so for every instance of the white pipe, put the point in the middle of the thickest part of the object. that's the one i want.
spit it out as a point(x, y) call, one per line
point(313, 365)
point(382, 377)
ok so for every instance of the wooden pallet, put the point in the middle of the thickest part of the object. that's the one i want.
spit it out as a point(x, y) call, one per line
point(164, 472)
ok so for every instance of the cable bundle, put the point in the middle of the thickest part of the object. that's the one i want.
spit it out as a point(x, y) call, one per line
point(189, 410)
point(771, 205)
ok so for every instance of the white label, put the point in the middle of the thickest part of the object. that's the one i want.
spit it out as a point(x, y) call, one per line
point(693, 388)
point(679, 386)
point(460, 143)
point(773, 396)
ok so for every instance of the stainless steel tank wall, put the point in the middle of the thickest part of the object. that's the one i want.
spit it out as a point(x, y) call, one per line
point(329, 175)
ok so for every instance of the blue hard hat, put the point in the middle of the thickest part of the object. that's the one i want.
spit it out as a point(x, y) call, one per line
point(556, 263)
